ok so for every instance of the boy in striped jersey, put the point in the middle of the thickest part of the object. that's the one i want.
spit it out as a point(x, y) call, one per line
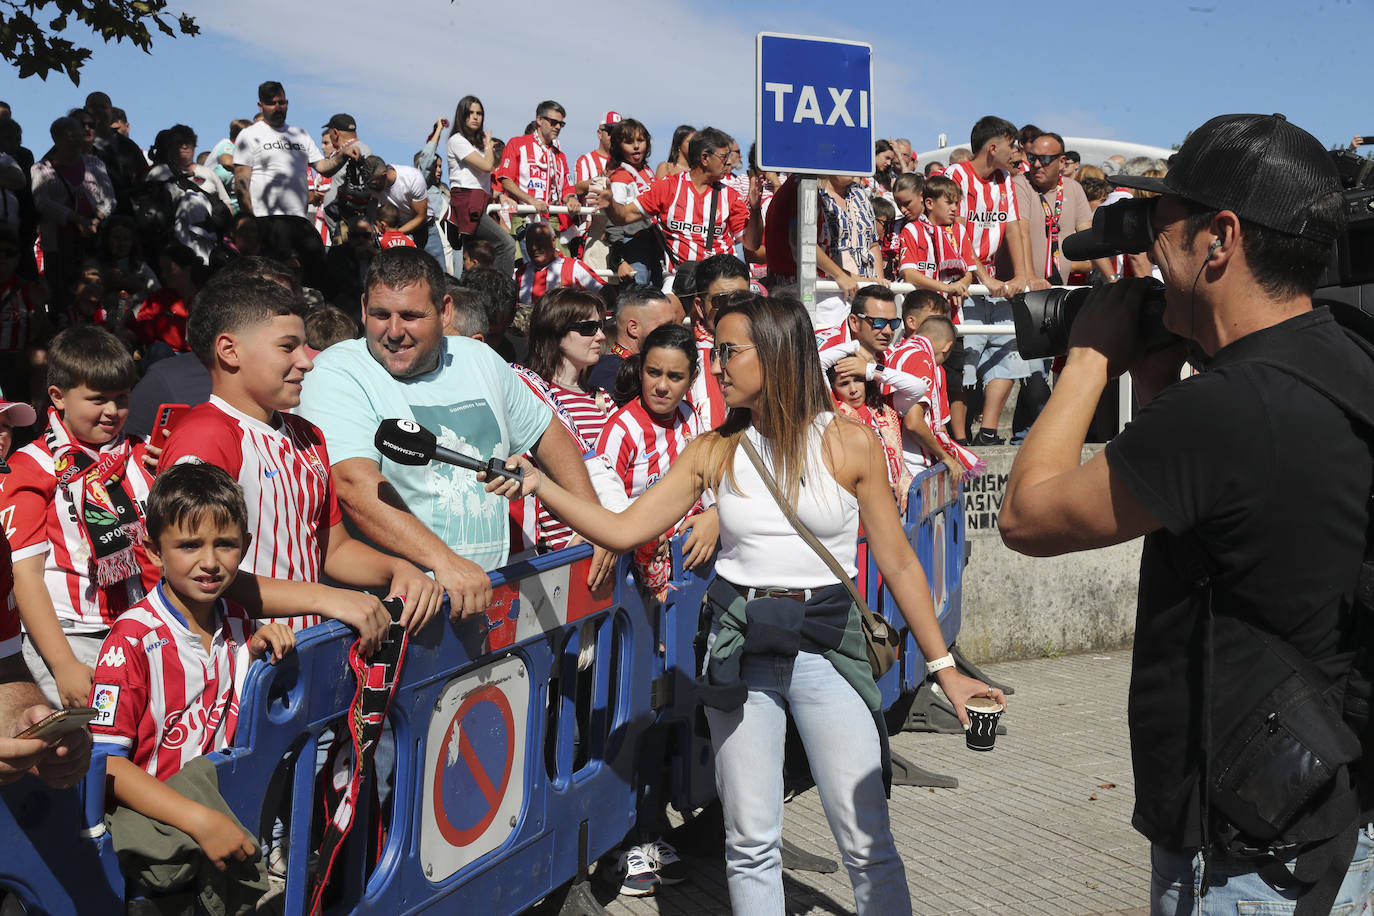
point(171, 671)
point(250, 334)
point(72, 508)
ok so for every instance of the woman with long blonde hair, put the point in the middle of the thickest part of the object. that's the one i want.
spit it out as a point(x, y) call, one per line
point(784, 633)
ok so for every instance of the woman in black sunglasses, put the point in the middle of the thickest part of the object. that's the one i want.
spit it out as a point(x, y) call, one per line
point(566, 337)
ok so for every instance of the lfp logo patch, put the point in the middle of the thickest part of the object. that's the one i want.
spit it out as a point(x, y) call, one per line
point(105, 699)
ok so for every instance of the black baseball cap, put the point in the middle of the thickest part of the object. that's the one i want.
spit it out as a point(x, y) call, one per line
point(342, 122)
point(1263, 168)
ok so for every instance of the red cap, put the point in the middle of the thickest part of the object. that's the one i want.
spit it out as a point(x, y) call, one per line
point(612, 117)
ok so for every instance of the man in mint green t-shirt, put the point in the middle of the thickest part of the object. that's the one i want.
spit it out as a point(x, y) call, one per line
point(437, 516)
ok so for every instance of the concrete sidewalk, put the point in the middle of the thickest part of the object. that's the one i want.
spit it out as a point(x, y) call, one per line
point(1039, 826)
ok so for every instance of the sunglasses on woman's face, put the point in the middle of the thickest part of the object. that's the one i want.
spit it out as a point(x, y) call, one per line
point(586, 328)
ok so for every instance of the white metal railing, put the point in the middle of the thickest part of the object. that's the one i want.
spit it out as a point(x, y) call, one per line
point(530, 209)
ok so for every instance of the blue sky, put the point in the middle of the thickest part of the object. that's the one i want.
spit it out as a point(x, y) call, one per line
point(1145, 72)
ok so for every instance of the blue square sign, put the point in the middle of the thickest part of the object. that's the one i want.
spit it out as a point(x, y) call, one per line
point(814, 105)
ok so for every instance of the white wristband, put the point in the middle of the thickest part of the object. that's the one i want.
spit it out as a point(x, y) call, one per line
point(939, 664)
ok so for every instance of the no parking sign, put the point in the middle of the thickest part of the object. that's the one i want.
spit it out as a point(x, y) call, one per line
point(474, 766)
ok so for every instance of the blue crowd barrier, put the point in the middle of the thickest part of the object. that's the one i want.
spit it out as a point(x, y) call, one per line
point(516, 733)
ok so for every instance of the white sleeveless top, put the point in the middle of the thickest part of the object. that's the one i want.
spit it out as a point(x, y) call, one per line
point(759, 548)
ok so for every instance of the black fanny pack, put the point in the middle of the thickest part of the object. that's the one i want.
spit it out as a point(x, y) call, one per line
point(1280, 764)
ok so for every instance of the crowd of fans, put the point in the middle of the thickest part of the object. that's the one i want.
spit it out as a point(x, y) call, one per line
point(133, 280)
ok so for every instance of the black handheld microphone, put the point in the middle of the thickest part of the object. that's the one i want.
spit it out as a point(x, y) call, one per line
point(407, 442)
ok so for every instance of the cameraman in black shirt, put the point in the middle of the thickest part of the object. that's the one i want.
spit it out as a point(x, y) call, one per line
point(1251, 489)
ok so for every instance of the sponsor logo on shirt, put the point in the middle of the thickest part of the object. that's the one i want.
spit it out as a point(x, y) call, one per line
point(105, 699)
point(682, 225)
point(114, 658)
point(987, 217)
point(272, 473)
point(154, 646)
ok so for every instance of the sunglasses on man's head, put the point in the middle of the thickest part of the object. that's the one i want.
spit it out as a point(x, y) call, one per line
point(878, 324)
point(586, 328)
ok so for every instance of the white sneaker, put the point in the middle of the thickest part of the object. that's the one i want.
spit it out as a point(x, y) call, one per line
point(641, 878)
point(670, 868)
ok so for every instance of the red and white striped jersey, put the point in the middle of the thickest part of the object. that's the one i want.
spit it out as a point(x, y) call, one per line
point(705, 396)
point(684, 216)
point(641, 448)
point(17, 308)
point(317, 182)
point(627, 183)
point(833, 337)
point(286, 483)
point(584, 416)
point(988, 206)
point(163, 699)
point(536, 281)
point(943, 253)
point(10, 630)
point(538, 170)
point(590, 165)
point(40, 519)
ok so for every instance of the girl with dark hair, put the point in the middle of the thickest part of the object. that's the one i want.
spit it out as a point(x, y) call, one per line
point(885, 168)
point(636, 255)
point(833, 473)
point(677, 160)
point(472, 155)
point(857, 387)
point(653, 426)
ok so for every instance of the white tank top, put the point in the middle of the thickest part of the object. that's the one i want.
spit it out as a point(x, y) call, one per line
point(759, 548)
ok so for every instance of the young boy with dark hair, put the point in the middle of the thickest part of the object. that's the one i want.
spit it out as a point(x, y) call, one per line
point(168, 679)
point(250, 334)
point(389, 216)
point(478, 253)
point(549, 269)
point(72, 508)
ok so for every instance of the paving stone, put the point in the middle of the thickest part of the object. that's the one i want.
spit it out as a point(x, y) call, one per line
point(1025, 808)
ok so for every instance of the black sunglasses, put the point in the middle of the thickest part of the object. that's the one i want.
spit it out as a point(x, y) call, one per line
point(1041, 159)
point(878, 324)
point(586, 328)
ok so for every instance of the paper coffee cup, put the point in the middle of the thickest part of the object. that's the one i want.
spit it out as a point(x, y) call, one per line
point(983, 713)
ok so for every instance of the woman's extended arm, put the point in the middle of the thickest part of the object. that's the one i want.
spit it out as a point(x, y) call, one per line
point(659, 508)
point(862, 465)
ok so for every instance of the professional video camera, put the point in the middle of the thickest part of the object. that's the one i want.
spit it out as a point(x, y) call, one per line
point(1043, 318)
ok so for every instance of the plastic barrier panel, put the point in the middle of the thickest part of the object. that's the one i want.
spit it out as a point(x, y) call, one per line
point(514, 735)
point(935, 529)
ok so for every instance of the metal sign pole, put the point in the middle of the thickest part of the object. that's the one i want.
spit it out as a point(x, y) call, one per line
point(808, 205)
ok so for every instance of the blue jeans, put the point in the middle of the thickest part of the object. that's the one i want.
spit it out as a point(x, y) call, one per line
point(1235, 890)
point(842, 745)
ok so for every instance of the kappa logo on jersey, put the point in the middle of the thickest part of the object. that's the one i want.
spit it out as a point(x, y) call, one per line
point(153, 647)
point(114, 658)
point(105, 699)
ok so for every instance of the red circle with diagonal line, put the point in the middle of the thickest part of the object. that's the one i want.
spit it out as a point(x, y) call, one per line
point(469, 788)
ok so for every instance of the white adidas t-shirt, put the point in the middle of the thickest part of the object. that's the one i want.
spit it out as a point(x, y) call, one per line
point(279, 159)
